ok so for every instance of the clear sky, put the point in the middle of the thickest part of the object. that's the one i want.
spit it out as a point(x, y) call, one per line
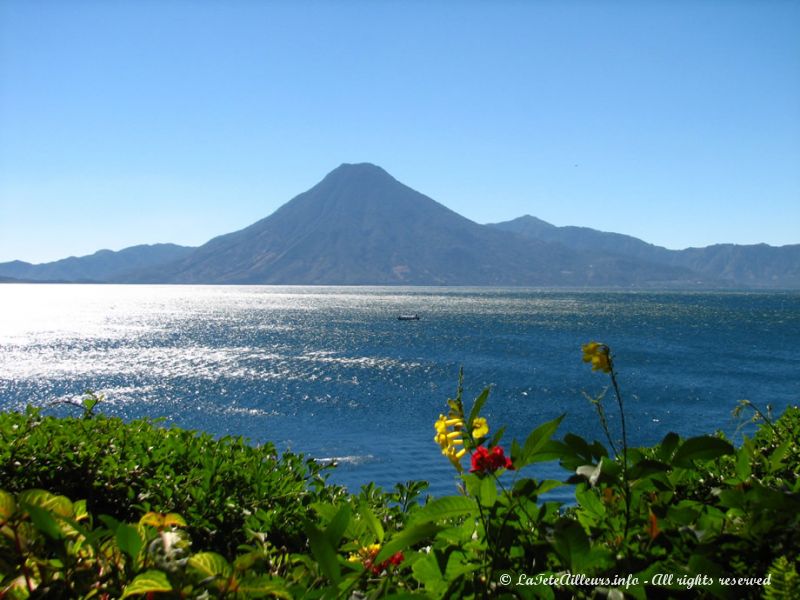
point(168, 121)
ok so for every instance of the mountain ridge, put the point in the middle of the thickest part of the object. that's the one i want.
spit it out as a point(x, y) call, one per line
point(98, 267)
point(750, 265)
point(361, 226)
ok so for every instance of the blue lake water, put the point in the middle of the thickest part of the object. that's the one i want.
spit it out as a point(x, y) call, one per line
point(331, 372)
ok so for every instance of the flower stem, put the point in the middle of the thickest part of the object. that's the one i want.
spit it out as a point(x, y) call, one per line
point(625, 479)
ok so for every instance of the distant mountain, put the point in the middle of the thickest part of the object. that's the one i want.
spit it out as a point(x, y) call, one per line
point(359, 225)
point(755, 266)
point(759, 265)
point(584, 238)
point(103, 265)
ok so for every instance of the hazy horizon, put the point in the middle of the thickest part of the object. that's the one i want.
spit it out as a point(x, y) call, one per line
point(127, 124)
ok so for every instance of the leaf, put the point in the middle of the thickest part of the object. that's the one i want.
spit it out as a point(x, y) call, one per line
point(704, 447)
point(488, 492)
point(777, 456)
point(572, 544)
point(537, 447)
point(407, 538)
point(547, 485)
point(497, 437)
point(472, 484)
point(244, 562)
point(477, 405)
point(372, 521)
point(174, 520)
point(7, 506)
point(59, 505)
point(149, 581)
point(645, 468)
point(458, 564)
point(153, 519)
point(211, 565)
point(325, 510)
point(667, 447)
point(324, 552)
point(426, 570)
point(44, 521)
point(79, 510)
point(589, 502)
point(89, 404)
point(161, 521)
point(532, 489)
point(128, 540)
point(455, 408)
point(338, 525)
point(448, 507)
point(684, 513)
point(109, 522)
point(700, 565)
point(541, 435)
point(516, 453)
point(528, 488)
point(262, 585)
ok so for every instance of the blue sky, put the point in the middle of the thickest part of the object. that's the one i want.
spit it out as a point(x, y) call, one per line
point(142, 122)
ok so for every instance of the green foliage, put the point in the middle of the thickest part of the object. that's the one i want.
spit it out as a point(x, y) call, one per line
point(785, 580)
point(222, 487)
point(174, 514)
point(50, 548)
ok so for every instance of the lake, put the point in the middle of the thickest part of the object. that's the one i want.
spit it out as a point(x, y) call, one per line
point(331, 371)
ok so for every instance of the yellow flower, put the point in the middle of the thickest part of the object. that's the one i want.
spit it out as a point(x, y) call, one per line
point(365, 553)
point(589, 350)
point(454, 456)
point(370, 550)
point(442, 423)
point(445, 440)
point(479, 428)
point(448, 439)
point(602, 363)
point(599, 355)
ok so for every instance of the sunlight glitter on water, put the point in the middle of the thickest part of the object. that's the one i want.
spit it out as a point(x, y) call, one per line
point(332, 372)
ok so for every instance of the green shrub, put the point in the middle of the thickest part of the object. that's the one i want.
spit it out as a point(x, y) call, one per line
point(52, 548)
point(126, 469)
point(176, 514)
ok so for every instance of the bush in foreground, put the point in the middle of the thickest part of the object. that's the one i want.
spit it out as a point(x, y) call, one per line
point(169, 513)
point(123, 470)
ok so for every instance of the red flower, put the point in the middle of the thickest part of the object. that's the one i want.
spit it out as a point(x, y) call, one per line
point(395, 559)
point(485, 461)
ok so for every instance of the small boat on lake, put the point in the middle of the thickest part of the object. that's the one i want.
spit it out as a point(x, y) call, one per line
point(408, 317)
